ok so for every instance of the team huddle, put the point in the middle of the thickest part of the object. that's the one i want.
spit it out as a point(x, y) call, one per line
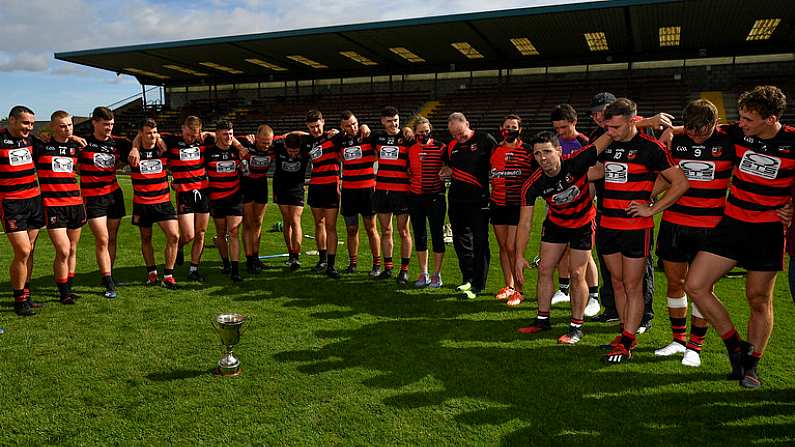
point(724, 192)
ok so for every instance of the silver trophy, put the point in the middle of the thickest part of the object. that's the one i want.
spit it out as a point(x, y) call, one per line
point(229, 328)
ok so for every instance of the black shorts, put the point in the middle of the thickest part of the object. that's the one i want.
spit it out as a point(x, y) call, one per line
point(289, 196)
point(757, 247)
point(254, 190)
point(504, 215)
point(110, 205)
point(70, 217)
point(230, 206)
point(679, 243)
point(630, 243)
point(358, 201)
point(193, 202)
point(324, 196)
point(576, 238)
point(395, 202)
point(146, 215)
point(22, 214)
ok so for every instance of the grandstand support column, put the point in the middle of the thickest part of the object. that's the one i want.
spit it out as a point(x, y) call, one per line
point(143, 94)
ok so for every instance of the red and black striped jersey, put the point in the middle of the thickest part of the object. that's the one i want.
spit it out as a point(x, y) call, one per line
point(570, 203)
point(150, 179)
point(223, 170)
point(56, 164)
point(258, 162)
point(510, 168)
point(325, 161)
point(358, 159)
point(631, 168)
point(393, 162)
point(763, 175)
point(17, 168)
point(469, 162)
point(186, 163)
point(708, 168)
point(97, 164)
point(425, 161)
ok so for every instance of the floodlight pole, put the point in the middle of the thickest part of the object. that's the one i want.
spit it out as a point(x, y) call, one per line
point(143, 94)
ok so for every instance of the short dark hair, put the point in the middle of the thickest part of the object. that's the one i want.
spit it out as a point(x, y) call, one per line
point(313, 116)
point(192, 122)
point(102, 113)
point(292, 141)
point(563, 112)
point(766, 100)
point(346, 115)
point(512, 116)
point(223, 125)
point(699, 113)
point(58, 114)
point(621, 107)
point(545, 136)
point(389, 112)
point(148, 122)
point(17, 111)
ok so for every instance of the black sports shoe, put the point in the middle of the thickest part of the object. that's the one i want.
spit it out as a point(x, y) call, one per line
point(320, 267)
point(375, 272)
point(194, 276)
point(252, 269)
point(736, 361)
point(332, 273)
point(385, 274)
point(351, 269)
point(605, 317)
point(180, 257)
point(403, 278)
point(23, 308)
point(236, 277)
point(295, 265)
point(226, 269)
point(67, 299)
point(110, 294)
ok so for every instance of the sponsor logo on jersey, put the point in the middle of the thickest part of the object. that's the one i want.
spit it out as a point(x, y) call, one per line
point(616, 172)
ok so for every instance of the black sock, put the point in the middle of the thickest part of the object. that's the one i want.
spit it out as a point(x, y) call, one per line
point(63, 288)
point(194, 267)
point(404, 264)
point(225, 262)
point(235, 267)
point(107, 280)
point(323, 254)
point(388, 263)
point(168, 272)
point(330, 260)
point(151, 269)
point(19, 295)
point(255, 257)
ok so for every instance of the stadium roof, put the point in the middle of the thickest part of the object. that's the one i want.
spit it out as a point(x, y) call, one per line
point(572, 34)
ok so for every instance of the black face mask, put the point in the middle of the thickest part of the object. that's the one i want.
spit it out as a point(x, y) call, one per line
point(510, 135)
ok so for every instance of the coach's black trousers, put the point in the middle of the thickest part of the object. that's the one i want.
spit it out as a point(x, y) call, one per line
point(470, 223)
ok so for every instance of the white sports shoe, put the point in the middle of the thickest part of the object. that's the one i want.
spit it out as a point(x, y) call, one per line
point(592, 308)
point(691, 358)
point(671, 349)
point(560, 297)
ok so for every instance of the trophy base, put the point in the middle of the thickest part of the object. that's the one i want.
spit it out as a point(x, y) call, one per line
point(228, 372)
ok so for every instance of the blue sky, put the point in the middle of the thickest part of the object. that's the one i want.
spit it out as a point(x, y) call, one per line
point(35, 29)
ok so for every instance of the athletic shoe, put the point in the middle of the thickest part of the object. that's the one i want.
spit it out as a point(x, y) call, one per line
point(152, 280)
point(260, 265)
point(169, 283)
point(194, 276)
point(447, 233)
point(252, 269)
point(296, 264)
point(110, 294)
point(23, 308)
point(605, 317)
point(236, 277)
point(227, 269)
point(560, 297)
point(617, 342)
point(351, 269)
point(617, 355)
point(516, 299)
point(572, 337)
point(422, 281)
point(464, 287)
point(2, 331)
point(403, 278)
point(375, 272)
point(386, 274)
point(180, 256)
point(34, 304)
point(470, 294)
point(592, 308)
point(692, 358)
point(645, 326)
point(332, 273)
point(504, 293)
point(67, 299)
point(536, 327)
point(320, 267)
point(672, 348)
point(750, 379)
point(436, 281)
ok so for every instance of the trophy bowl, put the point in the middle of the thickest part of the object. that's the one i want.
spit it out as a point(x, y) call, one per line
point(229, 328)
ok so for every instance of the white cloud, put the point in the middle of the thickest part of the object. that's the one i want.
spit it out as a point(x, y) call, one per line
point(24, 61)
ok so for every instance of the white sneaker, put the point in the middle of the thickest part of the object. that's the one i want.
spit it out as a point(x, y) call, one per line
point(560, 297)
point(464, 287)
point(671, 349)
point(592, 308)
point(691, 358)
